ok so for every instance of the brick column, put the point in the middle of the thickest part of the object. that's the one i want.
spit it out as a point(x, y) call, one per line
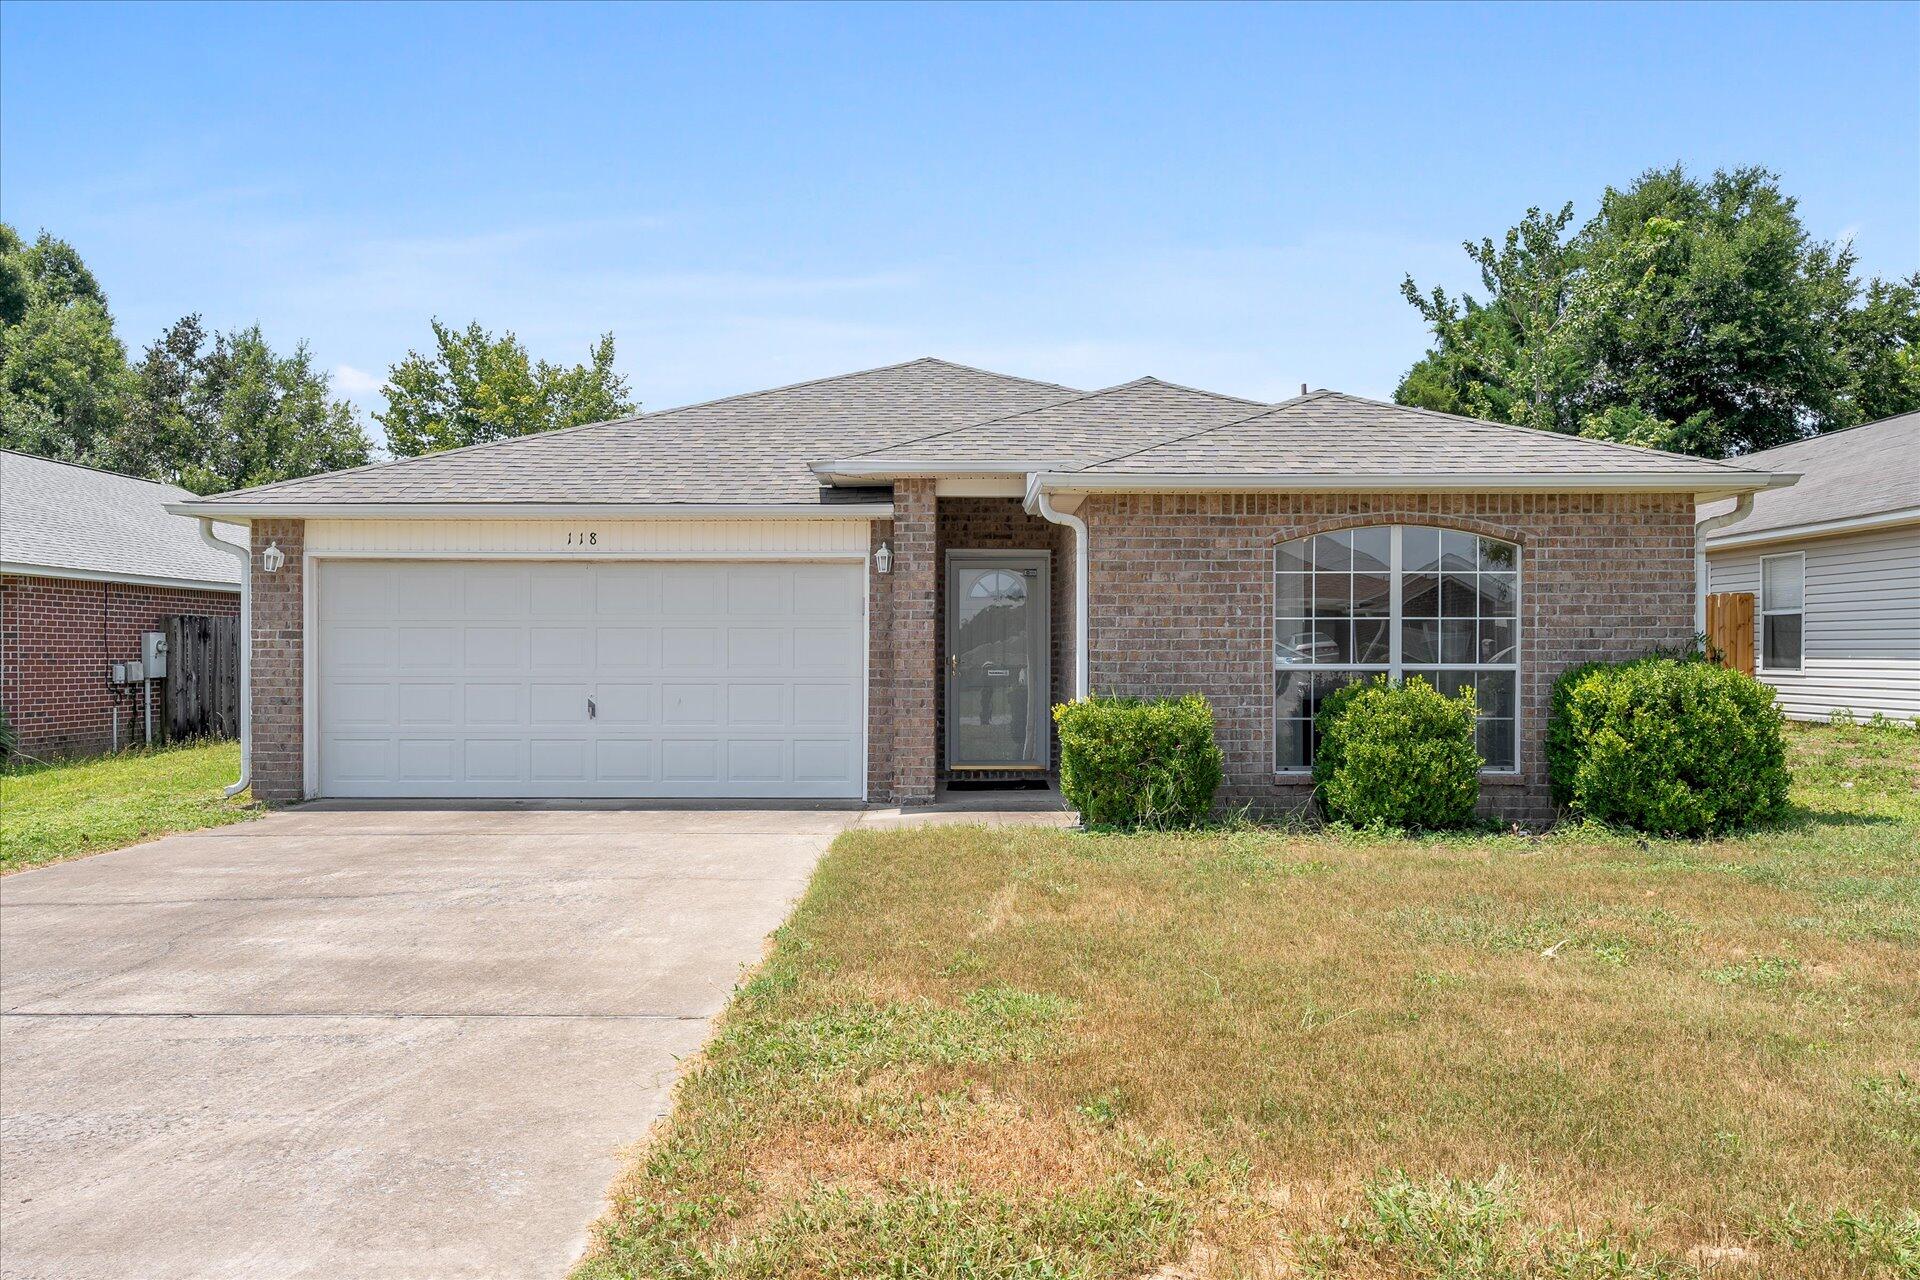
point(278, 657)
point(915, 619)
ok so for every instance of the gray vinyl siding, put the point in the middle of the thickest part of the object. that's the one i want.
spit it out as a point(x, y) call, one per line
point(1861, 622)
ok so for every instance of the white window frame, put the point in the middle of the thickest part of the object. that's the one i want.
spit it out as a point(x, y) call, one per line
point(1394, 667)
point(1760, 662)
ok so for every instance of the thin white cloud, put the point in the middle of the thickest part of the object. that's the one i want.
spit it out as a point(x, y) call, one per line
point(356, 382)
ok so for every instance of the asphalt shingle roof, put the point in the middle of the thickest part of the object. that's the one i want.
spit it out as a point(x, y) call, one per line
point(1075, 431)
point(59, 516)
point(1328, 433)
point(1863, 471)
point(751, 448)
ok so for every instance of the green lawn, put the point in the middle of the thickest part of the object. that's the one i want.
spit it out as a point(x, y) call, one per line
point(1027, 1053)
point(54, 811)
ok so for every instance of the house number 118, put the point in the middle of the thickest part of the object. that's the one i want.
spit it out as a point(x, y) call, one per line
point(583, 539)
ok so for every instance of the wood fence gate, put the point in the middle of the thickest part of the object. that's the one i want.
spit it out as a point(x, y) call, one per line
point(203, 677)
point(1730, 629)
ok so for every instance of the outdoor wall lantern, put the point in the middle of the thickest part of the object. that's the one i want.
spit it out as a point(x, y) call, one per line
point(272, 558)
point(883, 559)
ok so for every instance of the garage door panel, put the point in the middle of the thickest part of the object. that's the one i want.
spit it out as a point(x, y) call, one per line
point(426, 759)
point(624, 648)
point(424, 589)
point(492, 705)
point(689, 648)
point(690, 704)
point(557, 649)
point(419, 705)
point(451, 678)
point(492, 591)
point(428, 649)
point(626, 703)
point(502, 648)
point(550, 704)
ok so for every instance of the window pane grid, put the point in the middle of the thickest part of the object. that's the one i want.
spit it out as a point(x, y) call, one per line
point(1446, 600)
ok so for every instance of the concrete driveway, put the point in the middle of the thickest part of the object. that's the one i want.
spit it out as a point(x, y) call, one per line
point(351, 1041)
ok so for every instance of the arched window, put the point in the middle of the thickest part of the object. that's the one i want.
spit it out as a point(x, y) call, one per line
point(1403, 600)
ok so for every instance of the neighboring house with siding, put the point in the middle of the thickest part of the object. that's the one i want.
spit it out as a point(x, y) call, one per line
point(873, 585)
point(1833, 566)
point(88, 561)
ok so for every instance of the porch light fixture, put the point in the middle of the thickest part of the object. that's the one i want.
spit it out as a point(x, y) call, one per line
point(272, 558)
point(883, 559)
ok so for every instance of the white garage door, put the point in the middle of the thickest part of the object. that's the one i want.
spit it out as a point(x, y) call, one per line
point(532, 678)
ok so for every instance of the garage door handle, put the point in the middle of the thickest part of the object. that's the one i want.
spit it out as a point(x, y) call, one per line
point(592, 710)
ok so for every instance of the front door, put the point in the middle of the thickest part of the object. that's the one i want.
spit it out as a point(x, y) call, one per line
point(997, 660)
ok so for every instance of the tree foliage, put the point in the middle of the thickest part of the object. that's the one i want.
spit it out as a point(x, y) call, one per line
point(63, 373)
point(226, 412)
point(207, 412)
point(1688, 314)
point(475, 388)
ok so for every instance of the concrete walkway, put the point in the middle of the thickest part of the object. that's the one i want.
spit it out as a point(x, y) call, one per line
point(365, 1041)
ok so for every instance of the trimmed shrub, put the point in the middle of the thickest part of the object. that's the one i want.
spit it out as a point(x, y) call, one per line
point(1401, 755)
point(1667, 746)
point(1133, 762)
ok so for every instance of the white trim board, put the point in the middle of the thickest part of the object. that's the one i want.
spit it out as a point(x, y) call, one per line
point(129, 579)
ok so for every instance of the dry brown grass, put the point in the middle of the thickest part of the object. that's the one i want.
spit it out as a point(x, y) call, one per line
point(1246, 1053)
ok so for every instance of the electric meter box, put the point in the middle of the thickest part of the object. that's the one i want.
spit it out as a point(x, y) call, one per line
point(153, 654)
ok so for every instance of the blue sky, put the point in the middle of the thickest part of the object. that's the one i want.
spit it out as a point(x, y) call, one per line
point(1227, 197)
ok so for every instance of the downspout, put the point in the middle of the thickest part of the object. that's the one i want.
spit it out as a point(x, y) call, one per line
point(1741, 506)
point(1041, 504)
point(245, 556)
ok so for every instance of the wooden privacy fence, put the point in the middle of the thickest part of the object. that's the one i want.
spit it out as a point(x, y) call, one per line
point(1730, 629)
point(203, 677)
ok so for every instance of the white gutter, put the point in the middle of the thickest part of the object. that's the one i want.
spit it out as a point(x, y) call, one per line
point(18, 570)
point(244, 511)
point(245, 556)
point(1039, 503)
point(1741, 506)
point(1695, 482)
point(1819, 529)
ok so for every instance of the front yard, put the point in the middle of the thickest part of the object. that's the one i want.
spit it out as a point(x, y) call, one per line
point(59, 810)
point(1023, 1053)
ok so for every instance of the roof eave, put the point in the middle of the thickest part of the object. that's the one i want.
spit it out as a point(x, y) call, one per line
point(242, 512)
point(1705, 487)
point(69, 573)
point(1734, 537)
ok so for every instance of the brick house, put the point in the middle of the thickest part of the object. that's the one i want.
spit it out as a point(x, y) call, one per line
point(88, 561)
point(875, 585)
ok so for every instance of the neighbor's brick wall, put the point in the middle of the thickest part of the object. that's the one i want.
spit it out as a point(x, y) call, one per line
point(278, 660)
point(1181, 596)
point(57, 636)
point(1002, 524)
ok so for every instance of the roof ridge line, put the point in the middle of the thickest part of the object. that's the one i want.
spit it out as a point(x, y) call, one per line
point(1073, 399)
point(621, 422)
point(836, 377)
point(1218, 426)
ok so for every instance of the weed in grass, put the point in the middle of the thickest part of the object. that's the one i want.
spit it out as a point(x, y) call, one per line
point(1893, 1109)
point(1880, 1237)
point(1765, 973)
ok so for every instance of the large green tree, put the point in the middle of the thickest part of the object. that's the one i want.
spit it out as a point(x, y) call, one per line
point(227, 411)
point(1688, 314)
point(475, 387)
point(63, 373)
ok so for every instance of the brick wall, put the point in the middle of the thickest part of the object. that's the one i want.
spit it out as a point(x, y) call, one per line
point(880, 672)
point(1002, 524)
point(57, 636)
point(913, 631)
point(278, 659)
point(1181, 597)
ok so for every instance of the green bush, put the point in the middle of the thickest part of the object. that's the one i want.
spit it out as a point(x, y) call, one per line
point(1401, 755)
point(1132, 762)
point(1667, 746)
